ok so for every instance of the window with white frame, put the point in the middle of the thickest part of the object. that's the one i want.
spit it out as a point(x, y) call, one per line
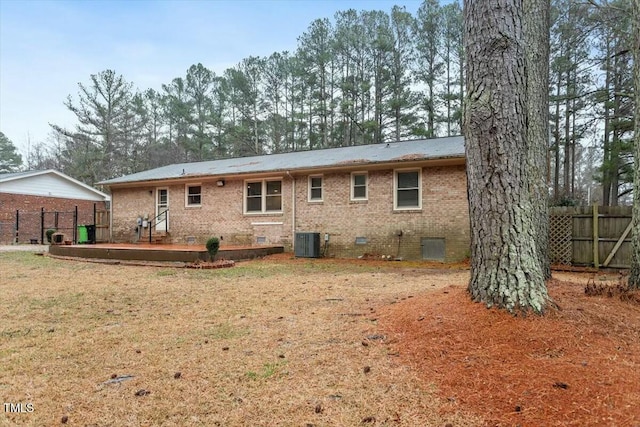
point(315, 188)
point(193, 195)
point(408, 189)
point(263, 196)
point(359, 182)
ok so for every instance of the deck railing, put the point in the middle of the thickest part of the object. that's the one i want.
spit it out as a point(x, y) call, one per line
point(153, 222)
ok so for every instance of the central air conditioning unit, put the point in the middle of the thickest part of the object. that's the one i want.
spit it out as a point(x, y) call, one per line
point(307, 245)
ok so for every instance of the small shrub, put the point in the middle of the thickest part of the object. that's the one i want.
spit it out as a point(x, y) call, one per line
point(213, 244)
point(49, 233)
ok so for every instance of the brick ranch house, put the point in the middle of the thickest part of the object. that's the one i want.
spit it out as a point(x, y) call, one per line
point(26, 194)
point(405, 199)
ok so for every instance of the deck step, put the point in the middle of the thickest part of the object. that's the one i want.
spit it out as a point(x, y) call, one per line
point(161, 238)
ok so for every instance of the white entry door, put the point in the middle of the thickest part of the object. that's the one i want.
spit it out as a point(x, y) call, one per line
point(162, 209)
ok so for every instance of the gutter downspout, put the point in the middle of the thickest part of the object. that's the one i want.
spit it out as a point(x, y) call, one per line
point(293, 211)
point(111, 218)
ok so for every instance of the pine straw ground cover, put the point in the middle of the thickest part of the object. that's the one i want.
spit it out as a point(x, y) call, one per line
point(304, 343)
point(578, 366)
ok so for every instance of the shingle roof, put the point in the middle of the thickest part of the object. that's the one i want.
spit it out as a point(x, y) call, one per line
point(12, 175)
point(422, 149)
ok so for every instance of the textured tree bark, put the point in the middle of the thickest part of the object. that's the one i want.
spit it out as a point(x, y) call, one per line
point(536, 30)
point(634, 275)
point(505, 270)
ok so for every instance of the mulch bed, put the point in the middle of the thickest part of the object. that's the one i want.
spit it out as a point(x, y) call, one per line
point(576, 366)
point(206, 265)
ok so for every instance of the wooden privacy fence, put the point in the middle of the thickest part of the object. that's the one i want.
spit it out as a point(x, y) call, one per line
point(101, 221)
point(598, 236)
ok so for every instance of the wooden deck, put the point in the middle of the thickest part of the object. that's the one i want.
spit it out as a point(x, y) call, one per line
point(161, 252)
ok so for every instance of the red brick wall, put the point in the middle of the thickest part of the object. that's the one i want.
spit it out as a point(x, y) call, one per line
point(30, 208)
point(444, 214)
point(220, 215)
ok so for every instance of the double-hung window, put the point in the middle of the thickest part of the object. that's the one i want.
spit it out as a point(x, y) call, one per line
point(263, 196)
point(359, 186)
point(193, 195)
point(315, 188)
point(407, 189)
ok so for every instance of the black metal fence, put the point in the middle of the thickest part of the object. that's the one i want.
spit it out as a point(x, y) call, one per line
point(31, 226)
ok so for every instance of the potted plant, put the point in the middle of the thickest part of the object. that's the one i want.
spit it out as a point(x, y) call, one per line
point(49, 233)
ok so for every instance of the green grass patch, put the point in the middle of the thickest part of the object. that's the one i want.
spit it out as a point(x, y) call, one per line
point(167, 273)
point(225, 331)
point(268, 370)
point(29, 259)
point(257, 269)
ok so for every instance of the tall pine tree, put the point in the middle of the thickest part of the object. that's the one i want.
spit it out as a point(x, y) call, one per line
point(505, 268)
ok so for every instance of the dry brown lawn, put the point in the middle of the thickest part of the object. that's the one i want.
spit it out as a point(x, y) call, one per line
point(295, 342)
point(276, 342)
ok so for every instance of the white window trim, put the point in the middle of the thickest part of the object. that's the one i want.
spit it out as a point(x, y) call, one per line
point(395, 190)
point(263, 196)
point(309, 199)
point(366, 186)
point(186, 195)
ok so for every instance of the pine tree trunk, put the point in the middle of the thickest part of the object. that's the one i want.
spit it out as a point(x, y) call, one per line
point(431, 107)
point(505, 270)
point(634, 276)
point(606, 144)
point(462, 89)
point(566, 159)
point(556, 146)
point(616, 143)
point(537, 20)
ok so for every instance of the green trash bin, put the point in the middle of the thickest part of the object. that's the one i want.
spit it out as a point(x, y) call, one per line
point(83, 235)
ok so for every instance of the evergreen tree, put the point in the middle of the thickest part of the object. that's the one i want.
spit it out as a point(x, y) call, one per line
point(570, 80)
point(349, 45)
point(153, 133)
point(275, 98)
point(246, 128)
point(104, 130)
point(177, 113)
point(613, 24)
point(10, 159)
point(364, 77)
point(429, 63)
point(379, 53)
point(219, 108)
point(453, 58)
point(199, 83)
point(400, 107)
point(315, 51)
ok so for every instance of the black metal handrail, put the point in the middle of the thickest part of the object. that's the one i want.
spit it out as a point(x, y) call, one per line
point(153, 223)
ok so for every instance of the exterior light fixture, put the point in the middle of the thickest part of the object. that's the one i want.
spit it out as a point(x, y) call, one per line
point(220, 183)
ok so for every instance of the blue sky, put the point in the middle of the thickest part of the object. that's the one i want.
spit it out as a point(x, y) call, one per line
point(48, 47)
